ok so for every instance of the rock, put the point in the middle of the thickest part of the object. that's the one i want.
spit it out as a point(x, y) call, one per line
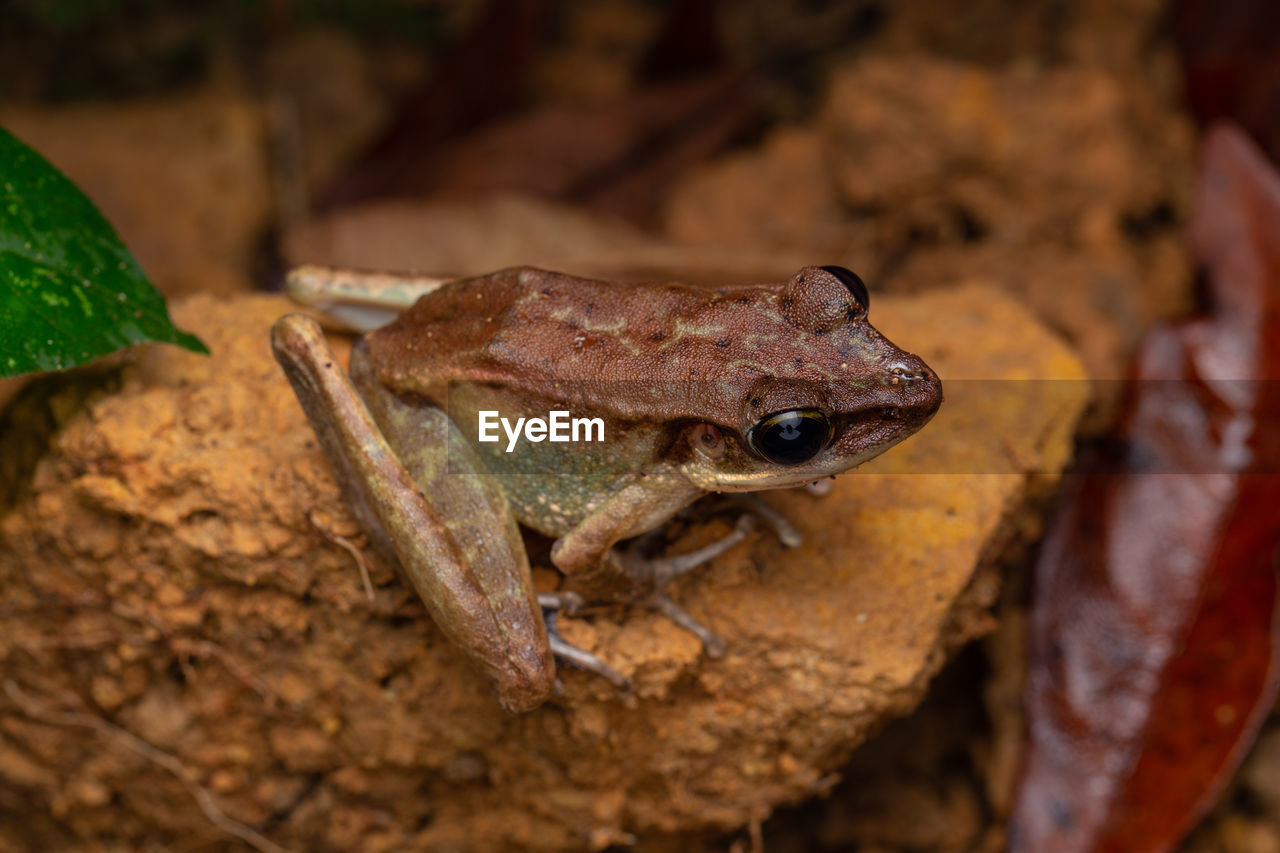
point(1000, 32)
point(1063, 184)
point(182, 537)
point(1018, 147)
point(459, 236)
point(476, 235)
point(780, 194)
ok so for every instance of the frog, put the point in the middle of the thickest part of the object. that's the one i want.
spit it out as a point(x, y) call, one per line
point(699, 389)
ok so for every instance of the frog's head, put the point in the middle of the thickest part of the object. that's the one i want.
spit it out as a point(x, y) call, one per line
point(838, 394)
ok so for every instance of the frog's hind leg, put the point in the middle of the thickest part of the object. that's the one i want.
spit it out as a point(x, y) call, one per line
point(460, 547)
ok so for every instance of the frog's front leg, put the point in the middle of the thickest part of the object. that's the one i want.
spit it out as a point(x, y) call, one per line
point(461, 548)
point(595, 566)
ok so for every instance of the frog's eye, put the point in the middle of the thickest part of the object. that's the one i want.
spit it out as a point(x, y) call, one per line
point(855, 285)
point(791, 437)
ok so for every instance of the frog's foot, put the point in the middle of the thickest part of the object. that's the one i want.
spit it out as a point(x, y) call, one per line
point(712, 643)
point(788, 534)
point(666, 569)
point(553, 603)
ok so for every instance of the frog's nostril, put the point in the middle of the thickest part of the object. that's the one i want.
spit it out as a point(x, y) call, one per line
point(908, 370)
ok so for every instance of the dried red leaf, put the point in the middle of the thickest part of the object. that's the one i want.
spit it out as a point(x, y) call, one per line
point(1154, 635)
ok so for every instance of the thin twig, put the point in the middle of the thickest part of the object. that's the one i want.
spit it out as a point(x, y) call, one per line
point(78, 641)
point(163, 759)
point(198, 648)
point(755, 830)
point(350, 549)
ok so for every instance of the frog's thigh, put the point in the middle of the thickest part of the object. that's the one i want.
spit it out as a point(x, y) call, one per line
point(452, 479)
point(469, 568)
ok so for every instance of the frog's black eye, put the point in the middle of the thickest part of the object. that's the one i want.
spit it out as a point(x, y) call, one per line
point(856, 286)
point(791, 437)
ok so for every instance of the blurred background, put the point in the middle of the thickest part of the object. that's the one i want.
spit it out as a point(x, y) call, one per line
point(1042, 146)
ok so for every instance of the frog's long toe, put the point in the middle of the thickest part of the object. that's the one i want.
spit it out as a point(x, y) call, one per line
point(565, 601)
point(712, 643)
point(553, 604)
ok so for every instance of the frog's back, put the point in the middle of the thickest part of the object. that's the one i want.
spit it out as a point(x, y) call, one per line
point(594, 344)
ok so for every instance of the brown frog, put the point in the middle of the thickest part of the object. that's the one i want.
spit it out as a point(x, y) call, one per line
point(690, 390)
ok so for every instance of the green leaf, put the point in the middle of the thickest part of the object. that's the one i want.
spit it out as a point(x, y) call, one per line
point(69, 289)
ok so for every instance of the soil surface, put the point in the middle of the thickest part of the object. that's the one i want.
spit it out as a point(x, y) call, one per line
point(190, 655)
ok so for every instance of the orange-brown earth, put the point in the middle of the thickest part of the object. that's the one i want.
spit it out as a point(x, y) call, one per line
point(185, 619)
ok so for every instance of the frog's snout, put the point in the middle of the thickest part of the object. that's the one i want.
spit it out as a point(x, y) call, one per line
point(917, 383)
